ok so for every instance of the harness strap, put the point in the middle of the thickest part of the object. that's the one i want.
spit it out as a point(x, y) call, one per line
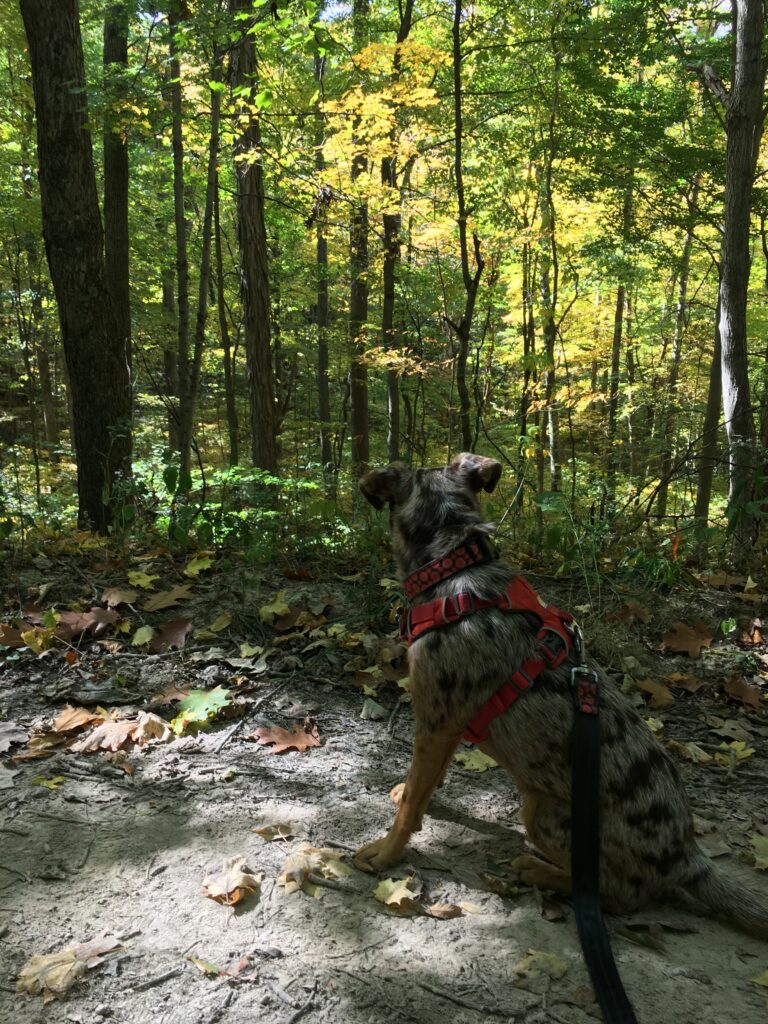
point(585, 852)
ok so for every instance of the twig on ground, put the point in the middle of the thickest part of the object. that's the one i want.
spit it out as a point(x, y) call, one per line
point(468, 1004)
point(328, 883)
point(142, 986)
point(227, 736)
point(14, 871)
point(282, 995)
point(307, 1006)
point(216, 1015)
point(81, 863)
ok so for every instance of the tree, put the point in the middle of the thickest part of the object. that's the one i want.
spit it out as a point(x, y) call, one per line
point(93, 345)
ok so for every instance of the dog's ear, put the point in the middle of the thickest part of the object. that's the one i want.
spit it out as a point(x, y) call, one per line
point(483, 474)
point(383, 485)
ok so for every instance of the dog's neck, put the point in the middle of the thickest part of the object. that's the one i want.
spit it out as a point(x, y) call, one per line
point(470, 550)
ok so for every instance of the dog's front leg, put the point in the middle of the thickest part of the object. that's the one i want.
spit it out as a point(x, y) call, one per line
point(432, 753)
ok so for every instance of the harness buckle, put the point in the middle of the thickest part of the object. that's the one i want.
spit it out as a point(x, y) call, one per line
point(552, 644)
point(584, 682)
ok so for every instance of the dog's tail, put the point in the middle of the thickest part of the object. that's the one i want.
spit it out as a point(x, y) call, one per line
point(726, 897)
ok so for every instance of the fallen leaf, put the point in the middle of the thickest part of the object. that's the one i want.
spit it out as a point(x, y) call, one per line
point(474, 760)
point(172, 633)
point(760, 845)
point(211, 632)
point(734, 752)
point(274, 608)
point(196, 565)
point(690, 751)
point(661, 696)
point(371, 711)
point(71, 718)
point(38, 640)
point(207, 968)
point(714, 846)
point(199, 707)
point(310, 861)
point(753, 635)
point(115, 733)
point(729, 728)
point(684, 681)
point(537, 970)
point(54, 974)
point(143, 635)
point(444, 911)
point(399, 895)
point(10, 636)
point(232, 884)
point(270, 833)
point(170, 694)
point(630, 613)
point(11, 733)
point(655, 725)
point(685, 639)
point(301, 738)
point(168, 598)
point(137, 578)
point(53, 783)
point(750, 696)
point(115, 596)
point(761, 979)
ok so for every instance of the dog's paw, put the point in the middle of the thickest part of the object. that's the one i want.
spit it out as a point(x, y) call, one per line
point(376, 856)
point(396, 793)
point(527, 868)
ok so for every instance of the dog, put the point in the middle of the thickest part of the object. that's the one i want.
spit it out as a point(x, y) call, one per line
point(647, 845)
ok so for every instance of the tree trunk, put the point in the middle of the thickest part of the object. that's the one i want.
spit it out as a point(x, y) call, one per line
point(709, 451)
point(744, 126)
point(321, 270)
point(681, 309)
point(618, 330)
point(184, 414)
point(170, 358)
point(391, 224)
point(463, 329)
point(358, 272)
point(95, 353)
point(116, 241)
point(254, 264)
point(229, 369)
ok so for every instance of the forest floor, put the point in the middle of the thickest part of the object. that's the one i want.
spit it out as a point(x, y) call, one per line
point(114, 844)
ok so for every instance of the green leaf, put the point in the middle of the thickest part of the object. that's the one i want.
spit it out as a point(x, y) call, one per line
point(200, 707)
point(216, 86)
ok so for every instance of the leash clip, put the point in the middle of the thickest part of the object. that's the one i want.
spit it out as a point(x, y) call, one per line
point(584, 682)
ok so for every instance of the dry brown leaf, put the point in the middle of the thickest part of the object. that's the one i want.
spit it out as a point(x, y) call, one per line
point(114, 596)
point(172, 633)
point(270, 833)
point(168, 598)
point(684, 681)
point(114, 734)
point(96, 622)
point(630, 613)
point(661, 696)
point(170, 694)
point(723, 580)
point(54, 974)
point(72, 718)
point(685, 639)
point(10, 636)
point(309, 861)
point(232, 884)
point(750, 696)
point(301, 738)
point(690, 752)
point(444, 911)
point(41, 744)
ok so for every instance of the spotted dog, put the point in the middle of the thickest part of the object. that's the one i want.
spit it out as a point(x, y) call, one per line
point(647, 843)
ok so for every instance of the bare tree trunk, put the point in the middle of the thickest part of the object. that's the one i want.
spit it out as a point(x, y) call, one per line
point(116, 242)
point(391, 224)
point(183, 414)
point(254, 263)
point(744, 120)
point(229, 369)
point(321, 269)
point(681, 310)
point(358, 272)
point(709, 451)
point(463, 328)
point(170, 358)
point(98, 373)
point(618, 329)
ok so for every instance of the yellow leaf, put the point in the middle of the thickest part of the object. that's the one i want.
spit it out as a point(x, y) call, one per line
point(397, 894)
point(474, 760)
point(760, 843)
point(142, 636)
point(250, 650)
point(655, 725)
point(53, 783)
point(275, 608)
point(734, 752)
point(38, 640)
point(196, 565)
point(761, 979)
point(137, 578)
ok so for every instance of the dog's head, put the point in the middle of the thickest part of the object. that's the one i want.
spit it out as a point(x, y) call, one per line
point(431, 510)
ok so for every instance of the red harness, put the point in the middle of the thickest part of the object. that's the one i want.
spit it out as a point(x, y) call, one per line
point(554, 639)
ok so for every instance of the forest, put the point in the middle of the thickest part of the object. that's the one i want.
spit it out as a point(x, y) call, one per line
point(312, 310)
point(256, 248)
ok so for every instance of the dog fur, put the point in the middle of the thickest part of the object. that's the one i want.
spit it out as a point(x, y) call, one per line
point(647, 844)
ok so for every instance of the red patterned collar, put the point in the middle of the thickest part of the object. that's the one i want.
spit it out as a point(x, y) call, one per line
point(474, 551)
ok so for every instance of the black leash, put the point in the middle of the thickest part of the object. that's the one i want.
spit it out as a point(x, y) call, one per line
point(585, 847)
